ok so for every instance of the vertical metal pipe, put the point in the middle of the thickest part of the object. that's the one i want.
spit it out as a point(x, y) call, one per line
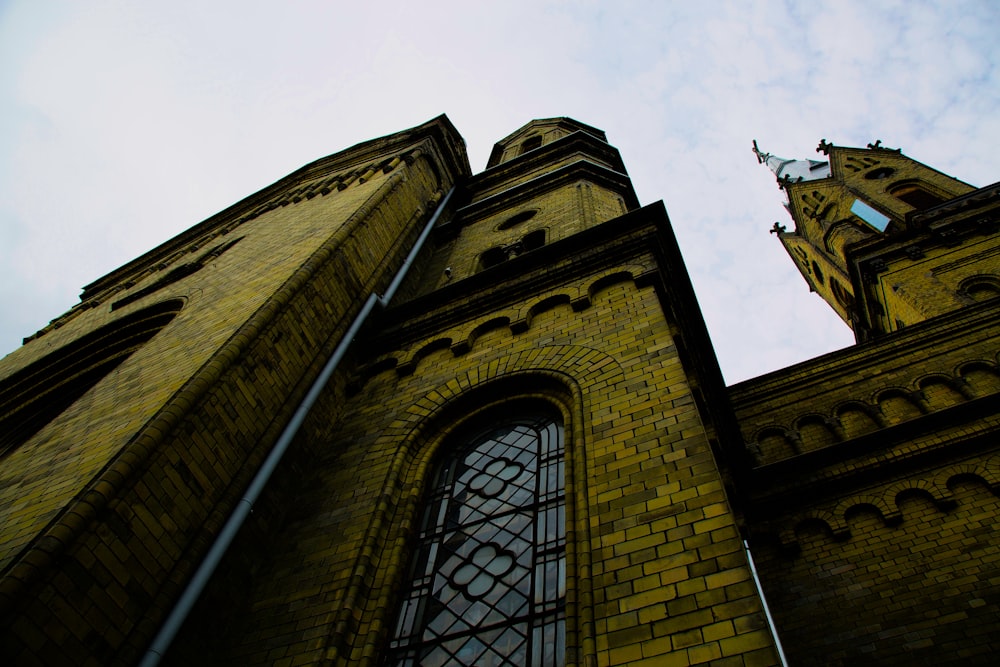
point(196, 585)
point(767, 610)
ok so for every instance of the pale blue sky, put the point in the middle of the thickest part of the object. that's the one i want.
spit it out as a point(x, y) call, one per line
point(123, 123)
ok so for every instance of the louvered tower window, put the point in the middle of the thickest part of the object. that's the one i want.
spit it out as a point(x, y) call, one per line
point(487, 586)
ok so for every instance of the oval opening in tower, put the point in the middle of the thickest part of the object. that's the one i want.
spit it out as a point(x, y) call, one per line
point(817, 272)
point(880, 173)
point(517, 219)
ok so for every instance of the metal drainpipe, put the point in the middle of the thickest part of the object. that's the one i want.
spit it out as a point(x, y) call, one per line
point(204, 572)
point(763, 601)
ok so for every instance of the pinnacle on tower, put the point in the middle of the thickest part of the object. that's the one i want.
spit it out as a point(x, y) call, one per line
point(792, 171)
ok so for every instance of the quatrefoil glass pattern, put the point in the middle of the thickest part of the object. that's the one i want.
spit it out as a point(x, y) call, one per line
point(477, 576)
point(492, 481)
point(488, 581)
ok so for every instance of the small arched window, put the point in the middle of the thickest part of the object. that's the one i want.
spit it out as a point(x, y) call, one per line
point(817, 272)
point(487, 585)
point(916, 196)
point(530, 144)
point(492, 257)
point(843, 297)
point(880, 173)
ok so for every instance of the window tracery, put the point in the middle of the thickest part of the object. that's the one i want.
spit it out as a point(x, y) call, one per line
point(487, 585)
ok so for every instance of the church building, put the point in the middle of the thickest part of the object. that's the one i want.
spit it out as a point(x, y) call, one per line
point(389, 412)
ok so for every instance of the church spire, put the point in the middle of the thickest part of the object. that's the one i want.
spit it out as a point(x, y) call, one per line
point(792, 171)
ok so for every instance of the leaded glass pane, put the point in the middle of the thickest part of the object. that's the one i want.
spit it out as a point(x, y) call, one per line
point(488, 581)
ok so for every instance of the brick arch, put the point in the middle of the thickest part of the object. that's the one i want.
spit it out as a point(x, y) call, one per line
point(955, 474)
point(772, 443)
point(982, 377)
point(409, 363)
point(876, 501)
point(463, 345)
point(940, 495)
point(546, 303)
point(462, 339)
point(941, 391)
point(552, 374)
point(980, 287)
point(987, 472)
point(579, 296)
point(869, 418)
point(815, 432)
point(831, 521)
point(898, 405)
point(612, 277)
point(360, 377)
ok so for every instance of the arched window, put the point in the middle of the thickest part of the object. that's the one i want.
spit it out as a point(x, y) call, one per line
point(530, 144)
point(843, 297)
point(492, 257)
point(488, 581)
point(915, 195)
point(38, 393)
point(980, 288)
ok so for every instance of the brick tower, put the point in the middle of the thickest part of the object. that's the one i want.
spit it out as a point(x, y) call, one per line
point(516, 459)
point(389, 412)
point(872, 497)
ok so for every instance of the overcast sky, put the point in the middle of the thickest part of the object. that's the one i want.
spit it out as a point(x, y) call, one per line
point(123, 123)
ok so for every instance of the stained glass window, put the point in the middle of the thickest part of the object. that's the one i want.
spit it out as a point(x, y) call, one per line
point(488, 584)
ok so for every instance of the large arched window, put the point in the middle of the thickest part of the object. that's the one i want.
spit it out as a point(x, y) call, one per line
point(38, 393)
point(487, 586)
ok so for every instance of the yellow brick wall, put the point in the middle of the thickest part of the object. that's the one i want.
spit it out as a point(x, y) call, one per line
point(43, 474)
point(869, 505)
point(916, 587)
point(657, 574)
point(860, 390)
point(559, 213)
point(108, 507)
point(913, 290)
point(825, 228)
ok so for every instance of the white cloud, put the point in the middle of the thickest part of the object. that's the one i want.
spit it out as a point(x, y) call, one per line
point(126, 123)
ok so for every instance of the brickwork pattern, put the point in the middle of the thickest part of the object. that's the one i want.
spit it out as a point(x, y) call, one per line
point(826, 228)
point(657, 574)
point(100, 535)
point(860, 390)
point(913, 579)
point(876, 481)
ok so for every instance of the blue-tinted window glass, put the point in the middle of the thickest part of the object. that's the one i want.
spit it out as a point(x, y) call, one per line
point(869, 215)
point(488, 584)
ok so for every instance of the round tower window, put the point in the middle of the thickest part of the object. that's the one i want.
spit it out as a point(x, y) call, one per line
point(880, 173)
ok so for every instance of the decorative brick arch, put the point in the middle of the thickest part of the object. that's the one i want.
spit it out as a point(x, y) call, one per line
point(558, 375)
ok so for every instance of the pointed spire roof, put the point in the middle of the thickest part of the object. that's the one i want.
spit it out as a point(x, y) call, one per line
point(792, 171)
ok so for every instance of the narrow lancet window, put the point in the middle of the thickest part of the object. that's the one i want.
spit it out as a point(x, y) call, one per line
point(488, 581)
